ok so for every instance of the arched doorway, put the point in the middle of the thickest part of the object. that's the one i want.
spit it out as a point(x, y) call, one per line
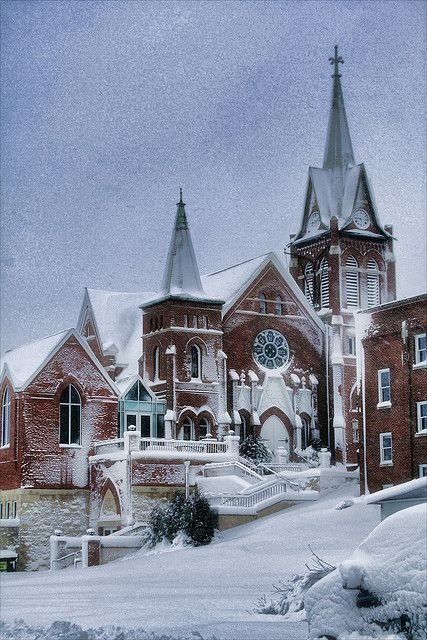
point(275, 434)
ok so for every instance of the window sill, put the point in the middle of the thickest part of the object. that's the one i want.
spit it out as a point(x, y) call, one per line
point(5, 446)
point(420, 365)
point(384, 405)
point(70, 446)
point(386, 464)
point(421, 434)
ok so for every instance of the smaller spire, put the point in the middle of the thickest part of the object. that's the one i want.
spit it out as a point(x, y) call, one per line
point(181, 216)
point(338, 151)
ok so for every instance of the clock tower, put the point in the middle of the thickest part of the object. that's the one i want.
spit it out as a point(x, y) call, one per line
point(342, 258)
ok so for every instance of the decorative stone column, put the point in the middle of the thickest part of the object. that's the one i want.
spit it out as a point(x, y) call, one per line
point(91, 550)
point(224, 419)
point(58, 543)
point(232, 443)
point(324, 458)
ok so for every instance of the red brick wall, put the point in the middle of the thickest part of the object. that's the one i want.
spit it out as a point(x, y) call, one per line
point(11, 456)
point(44, 463)
point(385, 349)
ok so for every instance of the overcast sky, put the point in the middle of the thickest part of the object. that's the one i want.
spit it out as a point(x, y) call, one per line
point(109, 107)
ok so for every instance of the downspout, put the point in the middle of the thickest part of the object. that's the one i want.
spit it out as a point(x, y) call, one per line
point(365, 469)
point(328, 417)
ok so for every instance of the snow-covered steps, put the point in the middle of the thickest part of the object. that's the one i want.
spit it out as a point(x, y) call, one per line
point(223, 484)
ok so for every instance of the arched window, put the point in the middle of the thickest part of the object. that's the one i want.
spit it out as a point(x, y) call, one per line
point(5, 419)
point(156, 363)
point(309, 282)
point(243, 428)
point(203, 428)
point(373, 283)
point(352, 282)
point(196, 362)
point(262, 303)
point(186, 431)
point(70, 409)
point(324, 283)
point(278, 306)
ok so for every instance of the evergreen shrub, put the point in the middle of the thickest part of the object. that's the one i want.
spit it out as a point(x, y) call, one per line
point(253, 449)
point(192, 516)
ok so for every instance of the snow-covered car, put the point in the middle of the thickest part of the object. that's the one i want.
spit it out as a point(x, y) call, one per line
point(381, 589)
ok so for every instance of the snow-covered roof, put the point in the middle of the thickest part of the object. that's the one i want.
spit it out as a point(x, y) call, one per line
point(226, 282)
point(23, 362)
point(412, 490)
point(118, 322)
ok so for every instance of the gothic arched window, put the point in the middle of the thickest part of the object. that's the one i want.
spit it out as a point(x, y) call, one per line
point(196, 362)
point(352, 282)
point(278, 306)
point(324, 283)
point(186, 431)
point(373, 283)
point(203, 428)
point(156, 363)
point(5, 419)
point(309, 282)
point(70, 408)
point(262, 303)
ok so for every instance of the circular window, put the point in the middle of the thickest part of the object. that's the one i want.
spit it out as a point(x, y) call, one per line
point(270, 349)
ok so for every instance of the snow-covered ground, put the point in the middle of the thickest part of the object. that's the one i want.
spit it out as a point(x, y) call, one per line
point(211, 590)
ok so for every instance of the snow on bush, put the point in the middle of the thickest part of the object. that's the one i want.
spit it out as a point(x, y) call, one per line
point(62, 630)
point(380, 589)
point(253, 448)
point(288, 597)
point(192, 517)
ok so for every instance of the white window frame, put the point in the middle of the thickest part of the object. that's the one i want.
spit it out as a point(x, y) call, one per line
point(199, 362)
point(422, 470)
point(69, 404)
point(420, 354)
point(381, 402)
point(421, 429)
point(383, 461)
point(6, 405)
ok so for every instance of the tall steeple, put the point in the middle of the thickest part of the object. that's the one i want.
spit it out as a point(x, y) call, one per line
point(181, 275)
point(338, 150)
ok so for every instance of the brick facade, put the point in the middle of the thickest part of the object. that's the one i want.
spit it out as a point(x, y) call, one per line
point(388, 342)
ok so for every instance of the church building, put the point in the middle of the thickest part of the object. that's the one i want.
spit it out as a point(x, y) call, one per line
point(100, 418)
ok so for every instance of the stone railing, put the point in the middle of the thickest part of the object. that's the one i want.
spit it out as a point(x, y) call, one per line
point(188, 446)
point(161, 447)
point(253, 496)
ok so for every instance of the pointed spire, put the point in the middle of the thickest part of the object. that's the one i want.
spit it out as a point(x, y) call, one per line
point(338, 150)
point(181, 275)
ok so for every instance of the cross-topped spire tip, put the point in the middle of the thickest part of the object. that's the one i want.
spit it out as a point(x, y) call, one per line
point(336, 60)
point(180, 197)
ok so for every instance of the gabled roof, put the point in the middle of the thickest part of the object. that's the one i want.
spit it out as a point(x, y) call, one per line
point(117, 319)
point(21, 365)
point(231, 283)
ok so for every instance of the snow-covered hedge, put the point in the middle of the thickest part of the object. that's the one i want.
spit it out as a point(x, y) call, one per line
point(62, 630)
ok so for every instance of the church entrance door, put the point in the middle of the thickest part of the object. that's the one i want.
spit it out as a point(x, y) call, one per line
point(274, 434)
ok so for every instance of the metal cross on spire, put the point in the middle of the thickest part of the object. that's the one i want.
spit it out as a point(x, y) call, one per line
point(336, 60)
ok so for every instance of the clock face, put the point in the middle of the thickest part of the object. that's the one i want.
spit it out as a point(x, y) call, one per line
point(361, 219)
point(313, 221)
point(270, 349)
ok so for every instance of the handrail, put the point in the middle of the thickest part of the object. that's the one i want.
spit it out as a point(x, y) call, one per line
point(253, 496)
point(294, 485)
point(310, 463)
point(191, 446)
point(74, 554)
point(232, 464)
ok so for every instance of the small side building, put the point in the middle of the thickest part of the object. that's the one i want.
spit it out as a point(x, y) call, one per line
point(393, 398)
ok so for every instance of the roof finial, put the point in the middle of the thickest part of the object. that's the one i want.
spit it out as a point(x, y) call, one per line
point(336, 60)
point(180, 197)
